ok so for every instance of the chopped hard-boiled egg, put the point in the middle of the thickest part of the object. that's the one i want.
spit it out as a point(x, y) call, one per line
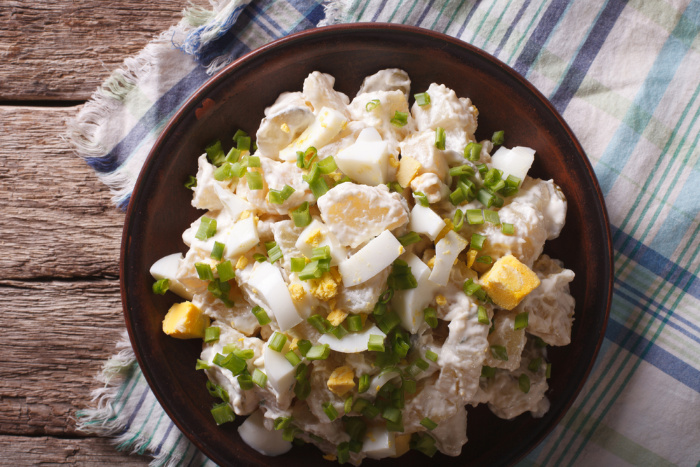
point(266, 442)
point(379, 442)
point(408, 169)
point(317, 234)
point(166, 268)
point(185, 321)
point(242, 237)
point(446, 252)
point(509, 281)
point(267, 280)
point(410, 303)
point(366, 161)
point(424, 220)
point(327, 125)
point(280, 373)
point(378, 254)
point(233, 204)
point(352, 342)
point(341, 380)
point(516, 161)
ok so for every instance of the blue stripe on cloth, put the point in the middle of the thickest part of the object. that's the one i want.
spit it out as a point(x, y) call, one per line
point(644, 301)
point(656, 263)
point(145, 391)
point(540, 35)
point(164, 106)
point(380, 8)
point(624, 142)
point(653, 354)
point(171, 425)
point(468, 18)
point(256, 16)
point(511, 26)
point(578, 68)
point(426, 10)
point(312, 12)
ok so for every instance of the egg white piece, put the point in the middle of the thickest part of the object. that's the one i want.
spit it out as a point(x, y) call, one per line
point(446, 252)
point(516, 161)
point(327, 125)
point(410, 303)
point(267, 280)
point(166, 268)
point(352, 342)
point(280, 373)
point(305, 242)
point(380, 380)
point(234, 204)
point(241, 237)
point(378, 254)
point(266, 442)
point(379, 442)
point(425, 221)
point(367, 160)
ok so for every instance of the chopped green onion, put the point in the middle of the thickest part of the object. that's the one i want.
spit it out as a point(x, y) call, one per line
point(376, 343)
point(386, 296)
point(402, 343)
point(204, 271)
point(483, 315)
point(245, 354)
point(507, 229)
point(492, 216)
point(539, 343)
point(217, 251)
point(498, 137)
point(253, 161)
point(370, 411)
point(354, 323)
point(245, 381)
point(347, 405)
point(409, 239)
point(255, 180)
point(391, 414)
point(395, 187)
point(430, 316)
point(343, 452)
point(428, 423)
point(524, 383)
point(321, 252)
point(161, 286)
point(292, 358)
point(486, 259)
point(217, 391)
point(486, 198)
point(320, 323)
point(226, 271)
point(260, 315)
point(297, 264)
point(289, 433)
point(259, 378)
point(475, 216)
point(423, 442)
point(330, 411)
point(430, 355)
point(243, 143)
point(472, 288)
point(318, 352)
point(281, 423)
point(409, 386)
point(355, 427)
point(482, 168)
point(319, 187)
point(215, 153)
point(327, 165)
point(473, 151)
point(477, 242)
point(238, 169)
point(363, 384)
point(231, 362)
point(535, 364)
point(259, 257)
point(211, 334)
point(422, 364)
point(301, 215)
point(304, 346)
point(371, 105)
point(280, 196)
point(466, 170)
point(339, 331)
point(440, 138)
point(224, 172)
point(274, 252)
point(399, 119)
point(499, 352)
point(207, 228)
point(548, 371)
point(458, 220)
point(401, 277)
point(222, 413)
point(201, 365)
point(520, 321)
point(457, 197)
point(388, 321)
point(379, 309)
point(422, 99)
point(277, 341)
point(421, 198)
point(233, 155)
point(314, 173)
point(191, 182)
point(488, 372)
point(309, 156)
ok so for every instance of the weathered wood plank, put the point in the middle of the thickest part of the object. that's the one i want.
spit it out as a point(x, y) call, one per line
point(56, 337)
point(63, 50)
point(98, 452)
point(56, 218)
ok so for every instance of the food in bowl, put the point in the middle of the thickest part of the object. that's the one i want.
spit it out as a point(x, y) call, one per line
point(364, 271)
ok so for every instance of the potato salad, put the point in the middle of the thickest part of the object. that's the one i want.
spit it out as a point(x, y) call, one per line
point(365, 269)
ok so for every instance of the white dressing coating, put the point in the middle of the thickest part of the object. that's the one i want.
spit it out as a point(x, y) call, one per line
point(363, 218)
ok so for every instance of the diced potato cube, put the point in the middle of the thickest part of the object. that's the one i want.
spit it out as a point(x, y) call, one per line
point(341, 380)
point(185, 321)
point(509, 281)
point(402, 444)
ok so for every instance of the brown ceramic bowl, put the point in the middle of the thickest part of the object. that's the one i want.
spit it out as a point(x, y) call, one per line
point(235, 98)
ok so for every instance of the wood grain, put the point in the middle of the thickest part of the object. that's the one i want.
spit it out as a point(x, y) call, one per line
point(56, 218)
point(57, 336)
point(63, 50)
point(21, 451)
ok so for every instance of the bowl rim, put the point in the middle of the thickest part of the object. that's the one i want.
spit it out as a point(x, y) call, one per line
point(195, 100)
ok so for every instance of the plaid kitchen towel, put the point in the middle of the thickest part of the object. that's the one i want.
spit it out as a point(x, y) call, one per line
point(626, 77)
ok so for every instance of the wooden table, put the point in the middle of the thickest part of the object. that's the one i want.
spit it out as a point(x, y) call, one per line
point(60, 310)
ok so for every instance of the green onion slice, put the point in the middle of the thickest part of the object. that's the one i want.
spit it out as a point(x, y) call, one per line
point(524, 383)
point(201, 365)
point(473, 151)
point(363, 384)
point(191, 182)
point(409, 239)
point(499, 352)
point(292, 358)
point(483, 316)
point(261, 315)
point(399, 119)
point(259, 378)
point(297, 264)
point(422, 99)
point(430, 355)
point(226, 271)
point(215, 153)
point(354, 323)
point(161, 286)
point(222, 413)
point(277, 341)
point(318, 352)
point(520, 321)
point(204, 271)
point(428, 423)
point(301, 215)
point(207, 228)
point(440, 138)
point(211, 334)
point(458, 220)
point(376, 343)
point(371, 105)
point(421, 198)
point(430, 316)
point(255, 180)
point(498, 137)
point(217, 251)
point(477, 242)
point(330, 411)
point(507, 229)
